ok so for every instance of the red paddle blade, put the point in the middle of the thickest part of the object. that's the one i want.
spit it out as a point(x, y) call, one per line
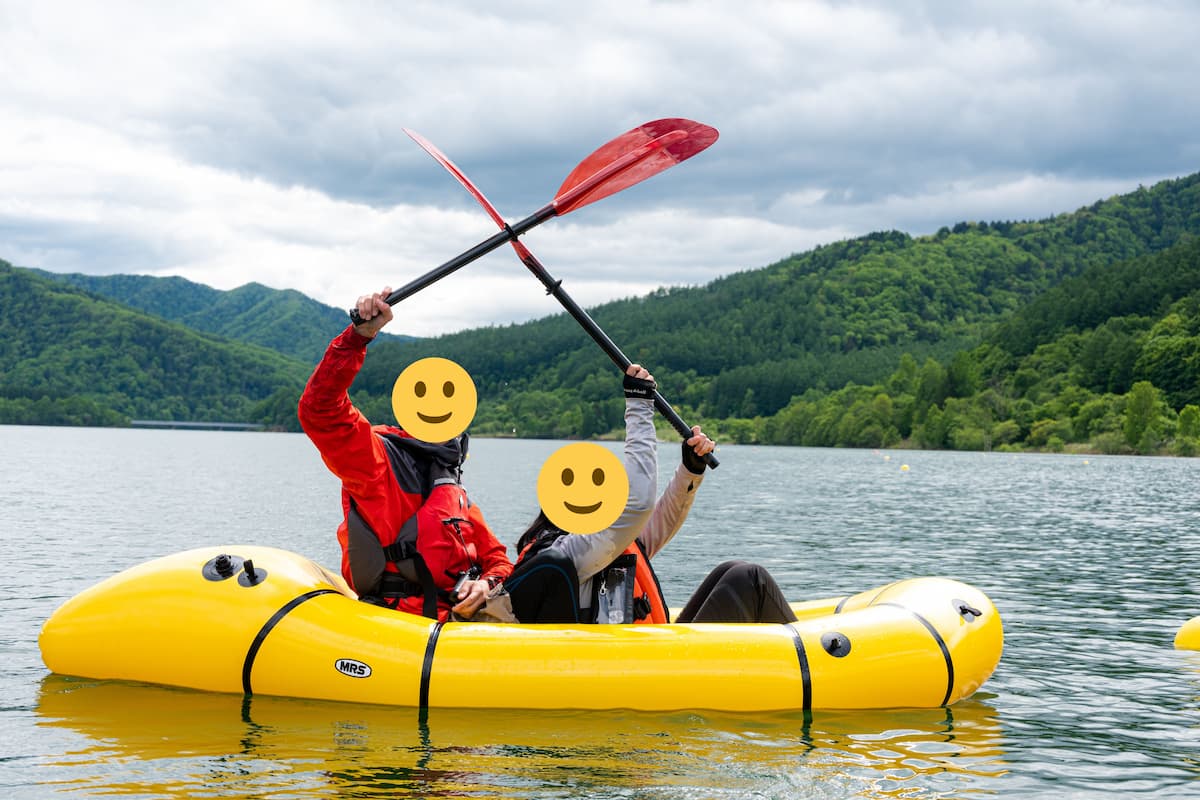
point(440, 157)
point(631, 158)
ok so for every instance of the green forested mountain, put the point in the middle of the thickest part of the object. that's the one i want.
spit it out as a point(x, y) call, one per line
point(281, 319)
point(1080, 330)
point(70, 357)
point(745, 345)
point(1108, 360)
point(1135, 320)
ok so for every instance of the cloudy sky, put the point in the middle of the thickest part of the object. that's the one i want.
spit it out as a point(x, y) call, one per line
point(229, 142)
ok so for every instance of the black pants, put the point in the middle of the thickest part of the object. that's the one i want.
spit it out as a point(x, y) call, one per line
point(737, 591)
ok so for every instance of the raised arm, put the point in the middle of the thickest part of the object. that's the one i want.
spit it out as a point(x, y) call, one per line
point(592, 552)
point(340, 432)
point(676, 502)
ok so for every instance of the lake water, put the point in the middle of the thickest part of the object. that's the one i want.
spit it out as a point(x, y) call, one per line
point(1092, 562)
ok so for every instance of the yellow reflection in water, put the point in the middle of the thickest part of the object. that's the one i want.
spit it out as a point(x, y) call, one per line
point(133, 739)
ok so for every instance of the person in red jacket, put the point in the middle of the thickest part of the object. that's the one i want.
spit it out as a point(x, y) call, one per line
point(411, 539)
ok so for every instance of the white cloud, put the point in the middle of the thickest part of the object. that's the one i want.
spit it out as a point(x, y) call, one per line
point(229, 142)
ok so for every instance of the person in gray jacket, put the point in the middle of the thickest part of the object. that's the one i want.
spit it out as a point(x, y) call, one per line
point(606, 577)
point(556, 580)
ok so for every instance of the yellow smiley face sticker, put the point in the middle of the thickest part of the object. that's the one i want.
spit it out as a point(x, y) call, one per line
point(434, 399)
point(583, 488)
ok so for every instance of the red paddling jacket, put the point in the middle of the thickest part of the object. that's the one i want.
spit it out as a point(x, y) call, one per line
point(403, 503)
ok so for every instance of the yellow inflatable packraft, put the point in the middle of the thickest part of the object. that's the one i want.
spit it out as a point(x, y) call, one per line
point(259, 620)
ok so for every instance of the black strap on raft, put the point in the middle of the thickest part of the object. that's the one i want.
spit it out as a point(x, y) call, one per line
point(941, 643)
point(265, 630)
point(427, 666)
point(805, 673)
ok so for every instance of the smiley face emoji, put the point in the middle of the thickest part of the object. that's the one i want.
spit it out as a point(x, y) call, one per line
point(583, 488)
point(434, 399)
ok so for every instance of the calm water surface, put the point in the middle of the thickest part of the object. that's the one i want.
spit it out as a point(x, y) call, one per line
point(1092, 562)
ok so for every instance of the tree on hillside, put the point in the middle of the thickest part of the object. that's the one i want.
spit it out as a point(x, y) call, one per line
point(1143, 417)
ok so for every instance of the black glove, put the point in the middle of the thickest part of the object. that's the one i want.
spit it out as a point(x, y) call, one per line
point(695, 464)
point(639, 388)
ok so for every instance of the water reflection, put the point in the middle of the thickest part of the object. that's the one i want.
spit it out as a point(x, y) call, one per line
point(128, 739)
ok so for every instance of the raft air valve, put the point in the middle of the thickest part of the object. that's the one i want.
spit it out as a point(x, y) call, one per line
point(222, 567)
point(225, 566)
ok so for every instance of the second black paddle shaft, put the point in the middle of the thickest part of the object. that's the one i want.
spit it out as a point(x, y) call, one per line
point(510, 233)
point(554, 287)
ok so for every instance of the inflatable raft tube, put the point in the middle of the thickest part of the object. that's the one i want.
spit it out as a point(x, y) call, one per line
point(1188, 636)
point(259, 620)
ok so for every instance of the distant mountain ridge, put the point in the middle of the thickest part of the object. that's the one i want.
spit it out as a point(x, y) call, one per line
point(281, 319)
point(746, 343)
point(73, 357)
point(981, 333)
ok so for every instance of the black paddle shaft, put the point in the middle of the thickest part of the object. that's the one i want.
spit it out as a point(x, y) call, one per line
point(554, 287)
point(434, 275)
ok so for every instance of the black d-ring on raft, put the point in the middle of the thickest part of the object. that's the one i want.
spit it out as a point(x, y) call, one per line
point(251, 576)
point(966, 611)
point(836, 644)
